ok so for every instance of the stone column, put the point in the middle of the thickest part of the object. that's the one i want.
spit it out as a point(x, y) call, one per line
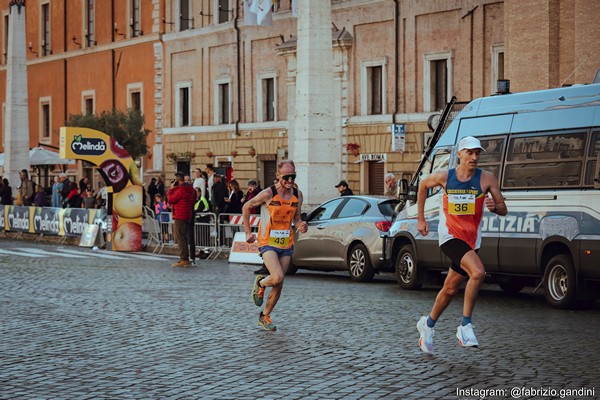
point(16, 128)
point(313, 143)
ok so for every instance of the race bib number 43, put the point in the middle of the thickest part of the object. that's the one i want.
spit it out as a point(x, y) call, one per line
point(461, 204)
point(280, 238)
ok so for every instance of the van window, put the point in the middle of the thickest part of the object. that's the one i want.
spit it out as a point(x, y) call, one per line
point(592, 159)
point(545, 161)
point(439, 162)
point(491, 159)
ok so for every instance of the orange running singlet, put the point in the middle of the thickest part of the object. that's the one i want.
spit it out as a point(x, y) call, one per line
point(275, 227)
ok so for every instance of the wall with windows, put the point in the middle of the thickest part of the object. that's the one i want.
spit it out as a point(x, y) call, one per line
point(93, 55)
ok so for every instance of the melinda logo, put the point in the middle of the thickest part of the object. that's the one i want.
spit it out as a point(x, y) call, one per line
point(88, 146)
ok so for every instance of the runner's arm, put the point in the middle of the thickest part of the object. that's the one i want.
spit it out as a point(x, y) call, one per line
point(302, 226)
point(496, 204)
point(430, 181)
point(256, 201)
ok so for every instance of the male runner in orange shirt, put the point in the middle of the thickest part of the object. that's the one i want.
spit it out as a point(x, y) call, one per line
point(281, 205)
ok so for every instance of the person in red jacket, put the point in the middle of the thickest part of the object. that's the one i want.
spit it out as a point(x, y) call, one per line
point(181, 196)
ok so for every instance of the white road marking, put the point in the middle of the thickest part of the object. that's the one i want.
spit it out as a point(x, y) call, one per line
point(48, 253)
point(19, 253)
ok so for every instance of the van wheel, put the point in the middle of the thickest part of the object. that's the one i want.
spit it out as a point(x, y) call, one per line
point(559, 282)
point(511, 285)
point(359, 264)
point(406, 269)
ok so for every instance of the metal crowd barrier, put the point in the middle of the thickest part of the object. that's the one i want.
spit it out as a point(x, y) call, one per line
point(205, 234)
point(213, 233)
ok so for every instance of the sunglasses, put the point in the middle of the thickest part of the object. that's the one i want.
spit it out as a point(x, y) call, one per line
point(288, 177)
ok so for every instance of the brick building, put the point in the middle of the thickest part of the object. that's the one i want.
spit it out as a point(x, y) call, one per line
point(214, 90)
point(85, 56)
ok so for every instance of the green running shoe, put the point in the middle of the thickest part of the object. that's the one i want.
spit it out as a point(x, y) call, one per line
point(258, 292)
point(265, 322)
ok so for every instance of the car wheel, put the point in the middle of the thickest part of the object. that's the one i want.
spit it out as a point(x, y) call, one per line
point(359, 264)
point(406, 269)
point(511, 285)
point(559, 282)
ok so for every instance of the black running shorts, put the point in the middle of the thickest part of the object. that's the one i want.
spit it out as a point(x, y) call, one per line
point(456, 249)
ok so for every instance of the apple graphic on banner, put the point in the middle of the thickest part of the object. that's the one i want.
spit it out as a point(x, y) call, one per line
point(117, 149)
point(115, 172)
point(128, 203)
point(127, 237)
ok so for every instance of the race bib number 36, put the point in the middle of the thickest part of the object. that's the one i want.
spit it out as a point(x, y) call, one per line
point(461, 204)
point(280, 238)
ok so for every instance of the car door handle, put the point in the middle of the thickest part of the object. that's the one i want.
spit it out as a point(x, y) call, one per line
point(320, 226)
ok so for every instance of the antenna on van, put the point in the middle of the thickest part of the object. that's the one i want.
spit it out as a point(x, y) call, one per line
point(576, 68)
point(436, 136)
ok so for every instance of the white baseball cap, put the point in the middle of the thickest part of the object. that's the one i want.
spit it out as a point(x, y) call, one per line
point(469, 142)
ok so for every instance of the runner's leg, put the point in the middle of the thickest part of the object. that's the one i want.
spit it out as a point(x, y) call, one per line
point(448, 291)
point(472, 264)
point(277, 267)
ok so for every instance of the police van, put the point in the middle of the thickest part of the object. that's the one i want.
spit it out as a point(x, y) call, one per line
point(544, 148)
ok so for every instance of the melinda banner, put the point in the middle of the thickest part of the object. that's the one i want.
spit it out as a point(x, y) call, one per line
point(49, 220)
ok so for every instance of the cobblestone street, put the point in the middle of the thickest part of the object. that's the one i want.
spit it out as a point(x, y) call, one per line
point(77, 326)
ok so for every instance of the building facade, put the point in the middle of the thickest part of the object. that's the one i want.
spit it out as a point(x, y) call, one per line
point(216, 90)
point(85, 56)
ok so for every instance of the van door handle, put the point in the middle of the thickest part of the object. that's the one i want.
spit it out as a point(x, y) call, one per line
point(320, 226)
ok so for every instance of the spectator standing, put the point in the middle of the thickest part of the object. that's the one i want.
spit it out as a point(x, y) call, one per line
point(161, 210)
point(199, 182)
point(40, 197)
point(6, 193)
point(202, 206)
point(181, 197)
point(102, 195)
point(72, 200)
point(56, 192)
point(83, 184)
point(391, 185)
point(88, 198)
point(235, 199)
point(343, 188)
point(27, 188)
point(160, 186)
point(219, 193)
point(152, 192)
point(210, 171)
point(253, 190)
point(66, 186)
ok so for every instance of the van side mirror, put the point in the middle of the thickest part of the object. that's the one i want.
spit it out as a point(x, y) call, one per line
point(597, 173)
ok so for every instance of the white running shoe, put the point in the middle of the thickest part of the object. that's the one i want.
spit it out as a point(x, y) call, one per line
point(466, 336)
point(426, 339)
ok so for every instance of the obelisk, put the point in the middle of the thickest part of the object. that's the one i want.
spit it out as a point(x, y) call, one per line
point(16, 128)
point(313, 143)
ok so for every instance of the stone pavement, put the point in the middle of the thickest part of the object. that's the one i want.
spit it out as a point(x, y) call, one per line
point(83, 327)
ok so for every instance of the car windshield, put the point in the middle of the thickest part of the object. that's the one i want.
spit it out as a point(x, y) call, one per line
point(387, 207)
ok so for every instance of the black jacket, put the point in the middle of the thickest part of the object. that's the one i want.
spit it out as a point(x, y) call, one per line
point(346, 192)
point(217, 198)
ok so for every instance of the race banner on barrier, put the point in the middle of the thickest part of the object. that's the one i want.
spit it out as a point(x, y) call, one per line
point(50, 220)
point(243, 252)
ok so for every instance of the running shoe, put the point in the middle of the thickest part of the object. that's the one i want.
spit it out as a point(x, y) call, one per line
point(258, 292)
point(426, 339)
point(466, 336)
point(265, 322)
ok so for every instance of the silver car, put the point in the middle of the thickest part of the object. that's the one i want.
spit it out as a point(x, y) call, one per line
point(345, 234)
